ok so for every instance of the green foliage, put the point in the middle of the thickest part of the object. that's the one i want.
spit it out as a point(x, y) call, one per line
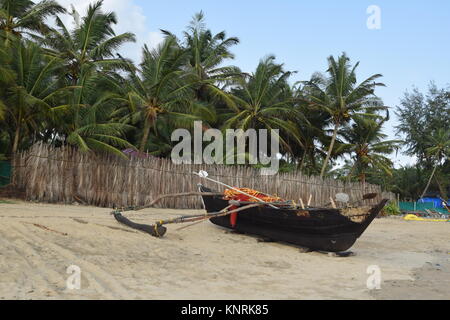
point(424, 120)
point(70, 86)
point(391, 209)
point(339, 95)
point(29, 94)
point(420, 117)
point(20, 18)
point(367, 145)
point(264, 101)
point(159, 89)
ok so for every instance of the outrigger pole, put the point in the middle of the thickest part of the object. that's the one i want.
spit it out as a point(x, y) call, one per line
point(157, 229)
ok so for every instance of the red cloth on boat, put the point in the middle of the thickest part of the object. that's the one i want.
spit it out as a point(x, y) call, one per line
point(233, 218)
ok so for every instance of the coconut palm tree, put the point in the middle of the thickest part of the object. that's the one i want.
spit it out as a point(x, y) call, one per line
point(25, 17)
point(312, 125)
point(367, 146)
point(94, 129)
point(88, 119)
point(90, 46)
point(341, 97)
point(206, 55)
point(6, 75)
point(33, 92)
point(439, 150)
point(88, 55)
point(159, 88)
point(207, 52)
point(265, 100)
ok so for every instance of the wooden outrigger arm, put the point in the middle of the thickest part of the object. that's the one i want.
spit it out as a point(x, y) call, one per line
point(158, 230)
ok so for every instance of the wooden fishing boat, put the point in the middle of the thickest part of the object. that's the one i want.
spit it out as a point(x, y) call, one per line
point(321, 229)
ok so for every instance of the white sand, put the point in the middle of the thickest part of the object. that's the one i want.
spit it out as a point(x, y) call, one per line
point(205, 261)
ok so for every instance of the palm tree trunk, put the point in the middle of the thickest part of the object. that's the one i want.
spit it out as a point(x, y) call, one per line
point(145, 136)
point(313, 160)
point(362, 178)
point(429, 181)
point(330, 149)
point(441, 188)
point(302, 162)
point(349, 176)
point(16, 140)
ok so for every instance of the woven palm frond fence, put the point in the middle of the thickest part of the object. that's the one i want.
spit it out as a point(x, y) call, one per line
point(65, 175)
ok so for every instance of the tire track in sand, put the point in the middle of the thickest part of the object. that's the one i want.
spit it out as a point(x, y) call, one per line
point(101, 281)
point(39, 274)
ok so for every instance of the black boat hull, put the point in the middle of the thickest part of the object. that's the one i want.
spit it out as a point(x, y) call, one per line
point(320, 229)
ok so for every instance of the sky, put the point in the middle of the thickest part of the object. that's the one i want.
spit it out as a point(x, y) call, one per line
point(409, 45)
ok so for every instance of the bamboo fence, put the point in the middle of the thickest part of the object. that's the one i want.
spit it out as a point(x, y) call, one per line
point(64, 175)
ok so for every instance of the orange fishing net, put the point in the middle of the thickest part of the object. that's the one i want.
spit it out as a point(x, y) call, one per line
point(230, 194)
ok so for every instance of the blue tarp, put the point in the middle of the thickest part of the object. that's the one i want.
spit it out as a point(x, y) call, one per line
point(437, 203)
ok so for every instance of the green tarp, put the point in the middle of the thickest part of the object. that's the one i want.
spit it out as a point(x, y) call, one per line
point(5, 173)
point(416, 206)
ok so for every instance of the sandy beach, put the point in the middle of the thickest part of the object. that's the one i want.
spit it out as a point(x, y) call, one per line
point(38, 242)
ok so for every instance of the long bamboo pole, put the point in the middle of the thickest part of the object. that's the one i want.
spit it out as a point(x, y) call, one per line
point(182, 194)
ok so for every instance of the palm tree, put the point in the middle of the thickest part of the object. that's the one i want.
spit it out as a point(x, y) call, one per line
point(312, 126)
point(206, 54)
point(341, 97)
point(88, 55)
point(439, 149)
point(265, 100)
point(90, 46)
point(159, 88)
point(33, 92)
point(24, 17)
point(92, 127)
point(366, 144)
point(6, 75)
